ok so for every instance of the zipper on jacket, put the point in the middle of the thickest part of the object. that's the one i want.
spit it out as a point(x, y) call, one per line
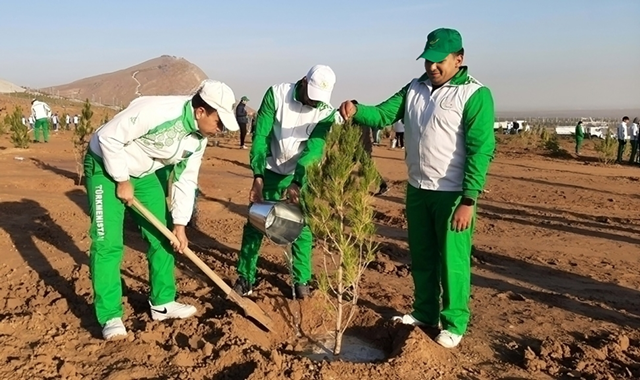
point(431, 96)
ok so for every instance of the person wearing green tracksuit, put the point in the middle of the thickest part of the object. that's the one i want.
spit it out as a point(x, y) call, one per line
point(449, 145)
point(135, 154)
point(579, 134)
point(292, 124)
point(41, 113)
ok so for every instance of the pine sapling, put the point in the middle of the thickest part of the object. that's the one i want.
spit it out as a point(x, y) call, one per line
point(339, 208)
point(63, 122)
point(81, 137)
point(544, 136)
point(19, 131)
point(105, 119)
point(607, 148)
point(5, 125)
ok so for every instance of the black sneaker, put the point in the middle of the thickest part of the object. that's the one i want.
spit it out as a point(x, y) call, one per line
point(383, 189)
point(242, 287)
point(302, 291)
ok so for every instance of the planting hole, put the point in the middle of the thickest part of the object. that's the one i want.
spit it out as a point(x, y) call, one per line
point(354, 349)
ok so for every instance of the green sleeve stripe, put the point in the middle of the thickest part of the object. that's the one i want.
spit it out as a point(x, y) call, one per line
point(264, 125)
point(314, 149)
point(477, 118)
point(385, 113)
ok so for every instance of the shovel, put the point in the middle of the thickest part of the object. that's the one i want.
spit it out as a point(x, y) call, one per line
point(250, 308)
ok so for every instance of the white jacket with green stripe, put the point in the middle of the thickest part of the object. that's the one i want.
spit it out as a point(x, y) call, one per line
point(449, 137)
point(289, 135)
point(154, 132)
point(40, 110)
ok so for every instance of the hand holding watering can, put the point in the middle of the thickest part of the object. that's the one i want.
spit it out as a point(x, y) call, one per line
point(281, 221)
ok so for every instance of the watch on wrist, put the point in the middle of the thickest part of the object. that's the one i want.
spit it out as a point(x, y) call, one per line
point(468, 201)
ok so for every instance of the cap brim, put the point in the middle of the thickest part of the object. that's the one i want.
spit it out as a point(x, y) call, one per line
point(228, 120)
point(318, 94)
point(433, 56)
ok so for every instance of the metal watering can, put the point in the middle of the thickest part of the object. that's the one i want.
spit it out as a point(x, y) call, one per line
point(281, 222)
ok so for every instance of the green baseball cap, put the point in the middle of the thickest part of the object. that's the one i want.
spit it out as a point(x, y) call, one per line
point(440, 43)
point(245, 98)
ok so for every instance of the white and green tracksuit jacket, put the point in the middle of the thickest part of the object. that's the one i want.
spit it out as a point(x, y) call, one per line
point(154, 132)
point(289, 135)
point(40, 110)
point(449, 138)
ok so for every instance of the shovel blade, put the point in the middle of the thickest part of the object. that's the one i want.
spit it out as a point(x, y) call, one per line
point(252, 310)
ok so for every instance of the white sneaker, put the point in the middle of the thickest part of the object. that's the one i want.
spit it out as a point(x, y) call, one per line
point(408, 319)
point(114, 329)
point(448, 339)
point(172, 310)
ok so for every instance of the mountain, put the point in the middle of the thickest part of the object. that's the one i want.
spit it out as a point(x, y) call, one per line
point(6, 87)
point(165, 75)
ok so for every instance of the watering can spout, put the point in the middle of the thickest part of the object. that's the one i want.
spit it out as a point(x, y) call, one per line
point(281, 222)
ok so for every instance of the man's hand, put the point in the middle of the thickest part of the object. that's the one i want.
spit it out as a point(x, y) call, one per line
point(347, 110)
point(255, 195)
point(124, 192)
point(292, 194)
point(462, 218)
point(183, 242)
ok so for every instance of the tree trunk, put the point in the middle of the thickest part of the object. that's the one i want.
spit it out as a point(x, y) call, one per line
point(338, 346)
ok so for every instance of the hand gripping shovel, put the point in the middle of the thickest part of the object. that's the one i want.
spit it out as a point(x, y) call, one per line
point(250, 308)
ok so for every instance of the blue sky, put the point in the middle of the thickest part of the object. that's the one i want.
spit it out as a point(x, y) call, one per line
point(534, 55)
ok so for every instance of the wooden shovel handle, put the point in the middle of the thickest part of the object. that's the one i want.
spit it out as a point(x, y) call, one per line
point(187, 252)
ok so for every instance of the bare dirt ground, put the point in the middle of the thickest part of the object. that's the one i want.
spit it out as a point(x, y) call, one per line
point(555, 280)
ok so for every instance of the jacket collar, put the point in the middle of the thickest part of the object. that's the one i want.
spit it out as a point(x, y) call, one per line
point(461, 77)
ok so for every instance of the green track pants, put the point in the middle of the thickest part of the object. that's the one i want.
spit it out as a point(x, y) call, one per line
point(440, 257)
point(107, 238)
point(578, 145)
point(41, 125)
point(274, 186)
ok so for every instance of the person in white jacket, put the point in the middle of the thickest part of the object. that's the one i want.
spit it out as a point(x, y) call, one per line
point(40, 112)
point(398, 128)
point(623, 136)
point(134, 154)
point(54, 121)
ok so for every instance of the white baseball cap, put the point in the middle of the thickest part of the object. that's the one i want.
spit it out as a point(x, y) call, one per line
point(220, 96)
point(320, 80)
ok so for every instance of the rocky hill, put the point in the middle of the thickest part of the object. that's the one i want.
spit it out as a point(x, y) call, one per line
point(8, 87)
point(165, 75)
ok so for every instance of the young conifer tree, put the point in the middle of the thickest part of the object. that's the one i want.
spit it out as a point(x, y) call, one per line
point(19, 131)
point(81, 137)
point(339, 208)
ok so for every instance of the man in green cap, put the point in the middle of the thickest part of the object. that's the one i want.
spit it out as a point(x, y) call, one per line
point(243, 119)
point(449, 144)
point(579, 137)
